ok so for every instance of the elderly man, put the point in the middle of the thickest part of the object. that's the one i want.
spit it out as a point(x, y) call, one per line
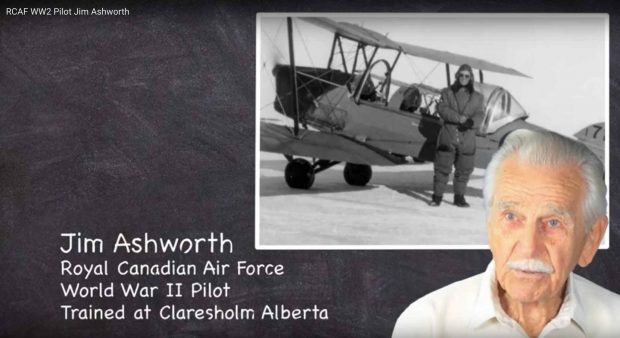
point(546, 212)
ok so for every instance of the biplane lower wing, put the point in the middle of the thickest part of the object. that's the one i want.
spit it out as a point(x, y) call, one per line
point(328, 146)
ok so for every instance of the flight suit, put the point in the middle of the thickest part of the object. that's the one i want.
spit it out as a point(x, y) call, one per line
point(456, 143)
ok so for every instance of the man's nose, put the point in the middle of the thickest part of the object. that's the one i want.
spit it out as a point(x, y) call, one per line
point(531, 241)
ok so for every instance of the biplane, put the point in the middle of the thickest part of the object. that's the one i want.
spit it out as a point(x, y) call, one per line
point(357, 113)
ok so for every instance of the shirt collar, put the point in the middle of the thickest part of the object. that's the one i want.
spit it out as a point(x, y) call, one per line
point(485, 308)
point(487, 305)
point(578, 315)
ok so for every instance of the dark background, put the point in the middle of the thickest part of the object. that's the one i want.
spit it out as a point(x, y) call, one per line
point(145, 123)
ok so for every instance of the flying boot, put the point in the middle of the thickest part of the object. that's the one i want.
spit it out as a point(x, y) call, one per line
point(436, 201)
point(459, 201)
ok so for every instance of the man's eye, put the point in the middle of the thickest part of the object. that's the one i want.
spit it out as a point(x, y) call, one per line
point(509, 216)
point(553, 223)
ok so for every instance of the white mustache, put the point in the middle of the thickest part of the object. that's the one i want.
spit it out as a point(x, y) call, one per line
point(530, 265)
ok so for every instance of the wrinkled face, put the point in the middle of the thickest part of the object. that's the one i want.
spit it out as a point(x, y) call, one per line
point(464, 77)
point(536, 214)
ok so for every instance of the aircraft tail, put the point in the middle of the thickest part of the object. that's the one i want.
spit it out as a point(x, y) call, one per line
point(593, 137)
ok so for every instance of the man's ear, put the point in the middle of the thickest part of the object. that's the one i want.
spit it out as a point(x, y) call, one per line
point(593, 240)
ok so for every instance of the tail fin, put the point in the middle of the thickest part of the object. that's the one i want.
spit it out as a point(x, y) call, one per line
point(593, 137)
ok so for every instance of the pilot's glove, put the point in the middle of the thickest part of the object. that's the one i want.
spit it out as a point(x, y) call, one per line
point(466, 125)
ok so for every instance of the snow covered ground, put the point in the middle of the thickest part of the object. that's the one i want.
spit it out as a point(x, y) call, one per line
point(390, 212)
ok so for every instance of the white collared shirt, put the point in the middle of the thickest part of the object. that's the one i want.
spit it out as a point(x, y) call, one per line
point(471, 308)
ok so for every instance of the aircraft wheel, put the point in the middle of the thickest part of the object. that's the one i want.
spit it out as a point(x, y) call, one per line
point(299, 174)
point(357, 174)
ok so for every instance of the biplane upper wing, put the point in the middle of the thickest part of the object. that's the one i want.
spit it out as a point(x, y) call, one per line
point(593, 137)
point(369, 37)
point(353, 32)
point(328, 146)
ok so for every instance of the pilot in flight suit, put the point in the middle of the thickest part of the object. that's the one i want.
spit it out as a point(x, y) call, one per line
point(462, 110)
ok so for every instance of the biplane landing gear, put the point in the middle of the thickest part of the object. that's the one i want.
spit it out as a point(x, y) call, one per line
point(357, 174)
point(299, 174)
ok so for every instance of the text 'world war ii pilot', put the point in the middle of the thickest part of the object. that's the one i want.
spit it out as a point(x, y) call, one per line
point(546, 212)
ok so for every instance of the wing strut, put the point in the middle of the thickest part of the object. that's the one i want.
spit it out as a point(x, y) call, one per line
point(344, 61)
point(291, 53)
point(331, 55)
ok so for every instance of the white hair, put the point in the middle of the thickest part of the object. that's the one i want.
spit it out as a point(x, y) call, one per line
point(551, 149)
